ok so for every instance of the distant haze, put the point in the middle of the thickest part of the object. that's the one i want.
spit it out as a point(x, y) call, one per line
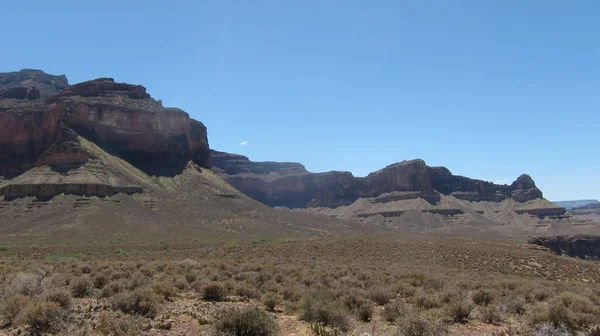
point(575, 203)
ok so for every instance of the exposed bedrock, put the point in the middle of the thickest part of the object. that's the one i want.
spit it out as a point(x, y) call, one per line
point(121, 118)
point(291, 185)
point(584, 246)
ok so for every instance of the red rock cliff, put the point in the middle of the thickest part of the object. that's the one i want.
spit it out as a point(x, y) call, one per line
point(121, 118)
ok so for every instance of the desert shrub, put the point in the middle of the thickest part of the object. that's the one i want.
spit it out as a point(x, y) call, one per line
point(459, 311)
point(541, 295)
point(248, 321)
point(43, 316)
point(359, 306)
point(180, 284)
point(547, 329)
point(100, 280)
point(556, 314)
point(481, 297)
point(380, 296)
point(413, 325)
point(112, 288)
point(191, 277)
point(13, 306)
point(290, 294)
point(490, 314)
point(24, 283)
point(270, 301)
point(86, 269)
point(137, 280)
point(61, 297)
point(247, 292)
point(322, 307)
point(142, 301)
point(164, 289)
point(81, 287)
point(118, 324)
point(426, 302)
point(214, 292)
point(517, 306)
point(364, 312)
point(393, 311)
point(595, 331)
point(405, 291)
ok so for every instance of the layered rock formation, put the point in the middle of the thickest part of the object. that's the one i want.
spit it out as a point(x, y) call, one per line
point(580, 246)
point(291, 185)
point(405, 194)
point(120, 118)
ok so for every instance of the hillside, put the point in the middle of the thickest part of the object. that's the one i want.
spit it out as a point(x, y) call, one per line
point(103, 160)
point(407, 196)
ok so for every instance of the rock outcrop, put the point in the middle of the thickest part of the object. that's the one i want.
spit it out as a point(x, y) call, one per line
point(30, 84)
point(580, 246)
point(290, 185)
point(121, 118)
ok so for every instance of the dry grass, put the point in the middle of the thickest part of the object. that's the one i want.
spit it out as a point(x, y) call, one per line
point(407, 287)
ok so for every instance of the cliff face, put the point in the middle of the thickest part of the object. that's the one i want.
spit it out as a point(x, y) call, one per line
point(290, 185)
point(583, 246)
point(120, 118)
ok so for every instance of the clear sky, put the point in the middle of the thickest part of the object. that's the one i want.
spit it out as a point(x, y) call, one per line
point(489, 89)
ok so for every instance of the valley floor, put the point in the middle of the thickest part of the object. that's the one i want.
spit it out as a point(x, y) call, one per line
point(355, 286)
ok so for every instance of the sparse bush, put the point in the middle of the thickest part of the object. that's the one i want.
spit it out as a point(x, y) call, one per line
point(86, 269)
point(61, 297)
point(459, 311)
point(13, 306)
point(100, 280)
point(490, 314)
point(142, 301)
point(322, 307)
point(393, 311)
point(425, 302)
point(414, 325)
point(595, 331)
point(42, 316)
point(270, 301)
point(556, 314)
point(245, 322)
point(118, 324)
point(247, 292)
point(214, 292)
point(164, 289)
point(191, 277)
point(517, 306)
point(27, 284)
point(290, 294)
point(112, 288)
point(364, 312)
point(380, 296)
point(482, 297)
point(541, 295)
point(81, 287)
point(547, 329)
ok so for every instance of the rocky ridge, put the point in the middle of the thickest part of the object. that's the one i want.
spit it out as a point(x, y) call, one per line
point(404, 193)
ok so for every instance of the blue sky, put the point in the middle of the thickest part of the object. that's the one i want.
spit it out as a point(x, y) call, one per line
point(489, 89)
